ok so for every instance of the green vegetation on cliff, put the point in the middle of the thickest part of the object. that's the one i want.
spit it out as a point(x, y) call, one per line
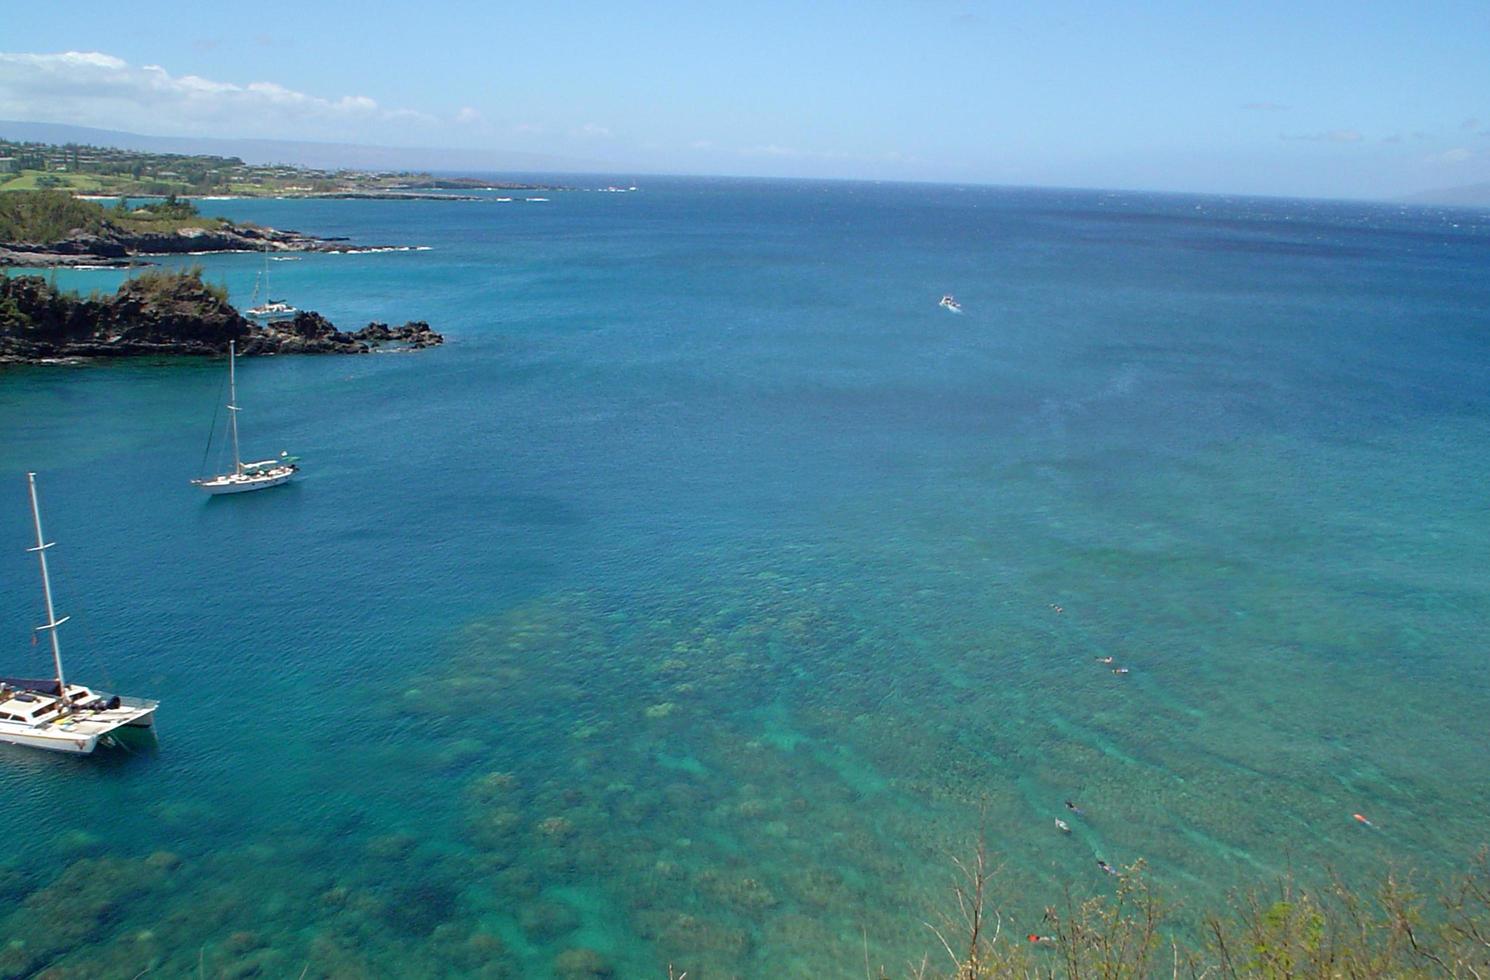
point(52, 216)
point(46, 216)
point(154, 309)
point(163, 313)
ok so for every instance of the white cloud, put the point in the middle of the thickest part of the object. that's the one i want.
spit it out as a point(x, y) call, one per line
point(94, 59)
point(792, 153)
point(1265, 106)
point(1457, 155)
point(1332, 136)
point(92, 88)
point(408, 115)
point(772, 150)
point(193, 83)
point(593, 131)
point(467, 115)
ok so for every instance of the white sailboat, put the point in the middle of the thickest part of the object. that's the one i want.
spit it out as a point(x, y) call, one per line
point(270, 308)
point(245, 476)
point(53, 714)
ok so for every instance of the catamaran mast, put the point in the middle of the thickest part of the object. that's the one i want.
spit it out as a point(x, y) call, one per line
point(233, 405)
point(46, 587)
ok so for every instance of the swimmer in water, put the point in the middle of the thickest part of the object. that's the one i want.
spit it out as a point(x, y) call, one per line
point(1104, 660)
point(1120, 671)
point(1361, 819)
point(1062, 826)
point(1074, 808)
point(1040, 940)
point(1106, 867)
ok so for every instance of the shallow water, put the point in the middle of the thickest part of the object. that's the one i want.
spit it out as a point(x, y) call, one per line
point(712, 587)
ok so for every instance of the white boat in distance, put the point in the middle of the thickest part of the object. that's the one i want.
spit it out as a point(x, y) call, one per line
point(949, 304)
point(52, 714)
point(245, 476)
point(271, 308)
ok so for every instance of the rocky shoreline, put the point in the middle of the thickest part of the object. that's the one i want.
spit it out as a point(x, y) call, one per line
point(169, 314)
point(114, 247)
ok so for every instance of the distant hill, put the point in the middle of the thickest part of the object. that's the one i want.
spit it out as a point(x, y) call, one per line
point(328, 156)
point(1467, 195)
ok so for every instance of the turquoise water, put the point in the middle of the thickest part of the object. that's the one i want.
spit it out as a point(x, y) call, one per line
point(711, 587)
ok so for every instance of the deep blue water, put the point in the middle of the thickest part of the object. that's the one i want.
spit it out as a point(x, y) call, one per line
point(711, 585)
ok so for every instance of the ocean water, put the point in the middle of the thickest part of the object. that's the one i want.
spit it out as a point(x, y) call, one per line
point(711, 588)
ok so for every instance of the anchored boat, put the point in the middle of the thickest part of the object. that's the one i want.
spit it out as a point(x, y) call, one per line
point(245, 476)
point(52, 714)
point(270, 309)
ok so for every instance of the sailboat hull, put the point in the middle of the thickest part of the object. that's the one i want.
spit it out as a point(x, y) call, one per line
point(232, 483)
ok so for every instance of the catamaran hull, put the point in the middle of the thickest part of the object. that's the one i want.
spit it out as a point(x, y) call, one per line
point(216, 487)
point(55, 716)
point(56, 739)
point(52, 743)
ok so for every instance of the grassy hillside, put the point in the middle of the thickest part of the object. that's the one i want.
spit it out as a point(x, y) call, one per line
point(102, 184)
point(53, 215)
point(46, 216)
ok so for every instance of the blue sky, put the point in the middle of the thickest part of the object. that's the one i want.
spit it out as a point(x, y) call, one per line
point(1330, 99)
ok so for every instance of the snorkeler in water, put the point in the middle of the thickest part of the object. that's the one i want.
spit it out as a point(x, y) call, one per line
point(1075, 809)
point(1106, 867)
point(1040, 940)
point(1062, 826)
point(1361, 819)
point(1104, 660)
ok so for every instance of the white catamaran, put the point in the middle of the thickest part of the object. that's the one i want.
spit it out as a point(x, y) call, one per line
point(53, 714)
point(245, 476)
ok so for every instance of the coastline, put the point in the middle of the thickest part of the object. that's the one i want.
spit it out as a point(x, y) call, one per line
point(117, 249)
point(171, 314)
point(53, 228)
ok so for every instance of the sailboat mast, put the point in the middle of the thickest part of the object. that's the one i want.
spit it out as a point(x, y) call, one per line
point(46, 587)
point(233, 404)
